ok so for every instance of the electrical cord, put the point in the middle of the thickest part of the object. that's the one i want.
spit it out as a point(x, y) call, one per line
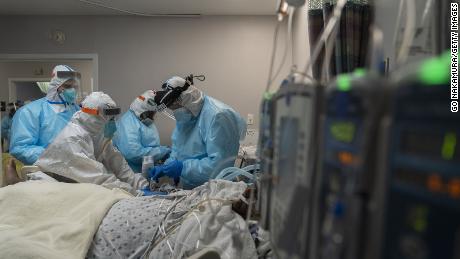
point(398, 23)
point(286, 48)
point(138, 13)
point(272, 59)
point(409, 32)
point(428, 8)
point(337, 13)
point(328, 54)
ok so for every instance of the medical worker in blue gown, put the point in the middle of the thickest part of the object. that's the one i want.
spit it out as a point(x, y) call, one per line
point(37, 124)
point(206, 137)
point(137, 135)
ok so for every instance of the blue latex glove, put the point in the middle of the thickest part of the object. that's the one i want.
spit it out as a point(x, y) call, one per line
point(172, 169)
point(147, 192)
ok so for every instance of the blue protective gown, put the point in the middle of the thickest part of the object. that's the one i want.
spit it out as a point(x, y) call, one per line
point(34, 127)
point(207, 143)
point(6, 126)
point(135, 140)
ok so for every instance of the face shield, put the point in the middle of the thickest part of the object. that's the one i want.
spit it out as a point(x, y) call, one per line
point(68, 90)
point(72, 76)
point(107, 114)
point(170, 95)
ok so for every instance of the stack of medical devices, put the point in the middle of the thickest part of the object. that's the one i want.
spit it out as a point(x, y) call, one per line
point(364, 164)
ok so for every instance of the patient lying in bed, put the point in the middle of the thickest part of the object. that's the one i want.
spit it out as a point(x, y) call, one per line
point(171, 226)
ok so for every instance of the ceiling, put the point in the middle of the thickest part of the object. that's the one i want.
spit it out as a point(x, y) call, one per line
point(83, 7)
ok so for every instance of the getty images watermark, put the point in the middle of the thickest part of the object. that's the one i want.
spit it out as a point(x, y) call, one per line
point(454, 57)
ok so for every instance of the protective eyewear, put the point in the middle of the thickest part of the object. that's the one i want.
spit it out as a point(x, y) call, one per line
point(70, 84)
point(169, 94)
point(68, 74)
point(106, 112)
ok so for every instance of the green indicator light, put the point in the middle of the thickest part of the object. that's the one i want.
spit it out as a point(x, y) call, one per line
point(420, 225)
point(360, 72)
point(343, 131)
point(435, 71)
point(448, 146)
point(419, 218)
point(343, 83)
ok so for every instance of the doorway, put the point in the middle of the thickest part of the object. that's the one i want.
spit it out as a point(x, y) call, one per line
point(23, 76)
point(27, 89)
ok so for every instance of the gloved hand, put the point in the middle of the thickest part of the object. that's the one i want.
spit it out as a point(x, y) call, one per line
point(172, 169)
point(147, 192)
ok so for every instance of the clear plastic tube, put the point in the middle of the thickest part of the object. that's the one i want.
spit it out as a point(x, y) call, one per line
point(330, 26)
point(409, 32)
point(232, 172)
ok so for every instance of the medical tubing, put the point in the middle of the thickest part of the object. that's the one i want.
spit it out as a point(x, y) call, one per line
point(409, 32)
point(219, 166)
point(272, 59)
point(291, 35)
point(328, 54)
point(398, 24)
point(233, 175)
point(251, 167)
point(426, 11)
point(230, 173)
point(171, 229)
point(137, 13)
point(150, 248)
point(285, 54)
point(337, 13)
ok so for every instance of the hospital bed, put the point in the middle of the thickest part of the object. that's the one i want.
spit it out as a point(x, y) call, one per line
point(156, 225)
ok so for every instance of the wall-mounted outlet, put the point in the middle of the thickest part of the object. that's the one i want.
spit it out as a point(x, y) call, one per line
point(251, 132)
point(251, 137)
point(250, 120)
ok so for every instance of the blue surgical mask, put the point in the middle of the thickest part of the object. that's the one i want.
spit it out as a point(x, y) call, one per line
point(182, 115)
point(69, 95)
point(110, 128)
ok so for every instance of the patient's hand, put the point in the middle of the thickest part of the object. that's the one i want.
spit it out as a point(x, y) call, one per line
point(11, 175)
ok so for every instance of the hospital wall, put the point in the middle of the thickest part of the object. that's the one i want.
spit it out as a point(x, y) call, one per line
point(138, 53)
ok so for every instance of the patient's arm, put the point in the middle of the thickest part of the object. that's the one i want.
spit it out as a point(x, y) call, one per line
point(11, 174)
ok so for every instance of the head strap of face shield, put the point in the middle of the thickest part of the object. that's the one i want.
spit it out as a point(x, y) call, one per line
point(68, 74)
point(111, 111)
point(105, 112)
point(170, 94)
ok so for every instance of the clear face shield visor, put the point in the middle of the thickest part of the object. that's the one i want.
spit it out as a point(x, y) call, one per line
point(110, 113)
point(73, 79)
point(107, 114)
